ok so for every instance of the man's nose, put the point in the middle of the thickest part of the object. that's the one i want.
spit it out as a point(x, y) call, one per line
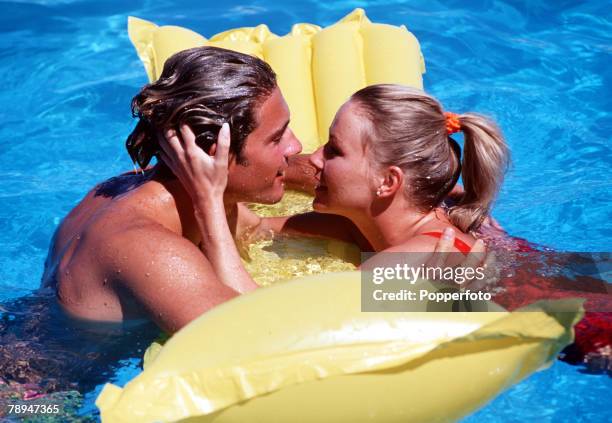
point(294, 146)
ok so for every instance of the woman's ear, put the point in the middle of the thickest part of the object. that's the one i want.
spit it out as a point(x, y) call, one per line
point(393, 180)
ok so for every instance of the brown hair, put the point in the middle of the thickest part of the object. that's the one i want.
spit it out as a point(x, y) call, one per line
point(407, 129)
point(201, 87)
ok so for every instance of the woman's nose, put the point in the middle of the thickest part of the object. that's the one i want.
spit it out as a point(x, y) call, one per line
point(317, 159)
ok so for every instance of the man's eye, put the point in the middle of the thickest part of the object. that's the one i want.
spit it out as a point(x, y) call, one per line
point(277, 139)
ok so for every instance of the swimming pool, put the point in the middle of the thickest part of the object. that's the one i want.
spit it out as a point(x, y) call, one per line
point(540, 69)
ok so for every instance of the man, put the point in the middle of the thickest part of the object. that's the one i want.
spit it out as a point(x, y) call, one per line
point(129, 249)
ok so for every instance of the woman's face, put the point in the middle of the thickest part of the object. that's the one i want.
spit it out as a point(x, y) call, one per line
point(346, 186)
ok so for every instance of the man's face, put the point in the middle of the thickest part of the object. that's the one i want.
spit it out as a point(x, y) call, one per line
point(259, 179)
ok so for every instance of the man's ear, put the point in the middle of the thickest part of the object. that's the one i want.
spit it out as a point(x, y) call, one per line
point(393, 180)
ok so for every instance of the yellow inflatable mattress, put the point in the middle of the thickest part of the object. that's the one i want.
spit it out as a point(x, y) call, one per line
point(303, 351)
point(317, 68)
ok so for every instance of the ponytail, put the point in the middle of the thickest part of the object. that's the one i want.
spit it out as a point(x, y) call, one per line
point(485, 160)
point(409, 129)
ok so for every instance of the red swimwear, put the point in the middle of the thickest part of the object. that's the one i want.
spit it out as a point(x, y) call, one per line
point(460, 245)
point(592, 333)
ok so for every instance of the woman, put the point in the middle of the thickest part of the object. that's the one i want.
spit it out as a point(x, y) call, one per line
point(383, 181)
point(382, 177)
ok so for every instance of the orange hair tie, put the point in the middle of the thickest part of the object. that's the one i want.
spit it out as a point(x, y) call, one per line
point(452, 122)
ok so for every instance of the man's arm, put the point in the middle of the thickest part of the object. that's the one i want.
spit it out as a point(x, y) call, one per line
point(165, 274)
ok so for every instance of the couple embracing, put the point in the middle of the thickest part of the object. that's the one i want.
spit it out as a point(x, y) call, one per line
point(160, 245)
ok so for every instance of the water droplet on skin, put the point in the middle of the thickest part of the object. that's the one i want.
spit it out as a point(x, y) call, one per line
point(105, 281)
point(147, 274)
point(118, 270)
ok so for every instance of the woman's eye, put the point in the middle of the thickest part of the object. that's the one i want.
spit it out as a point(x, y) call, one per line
point(330, 150)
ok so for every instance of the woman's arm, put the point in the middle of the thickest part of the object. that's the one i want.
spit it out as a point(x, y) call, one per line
point(312, 224)
point(300, 175)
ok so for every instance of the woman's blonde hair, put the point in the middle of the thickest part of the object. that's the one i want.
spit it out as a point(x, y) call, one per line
point(407, 129)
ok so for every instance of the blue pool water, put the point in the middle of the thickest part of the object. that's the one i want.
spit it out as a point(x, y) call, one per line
point(542, 69)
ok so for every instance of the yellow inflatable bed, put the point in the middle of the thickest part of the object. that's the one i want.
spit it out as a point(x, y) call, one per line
point(317, 68)
point(302, 350)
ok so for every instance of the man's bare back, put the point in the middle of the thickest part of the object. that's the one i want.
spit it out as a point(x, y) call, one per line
point(129, 251)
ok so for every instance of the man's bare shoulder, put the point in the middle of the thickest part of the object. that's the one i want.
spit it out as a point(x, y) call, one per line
point(164, 273)
point(146, 243)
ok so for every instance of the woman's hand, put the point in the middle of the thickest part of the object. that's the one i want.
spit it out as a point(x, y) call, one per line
point(203, 176)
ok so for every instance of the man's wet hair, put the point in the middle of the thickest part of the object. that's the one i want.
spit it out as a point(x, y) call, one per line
point(202, 87)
